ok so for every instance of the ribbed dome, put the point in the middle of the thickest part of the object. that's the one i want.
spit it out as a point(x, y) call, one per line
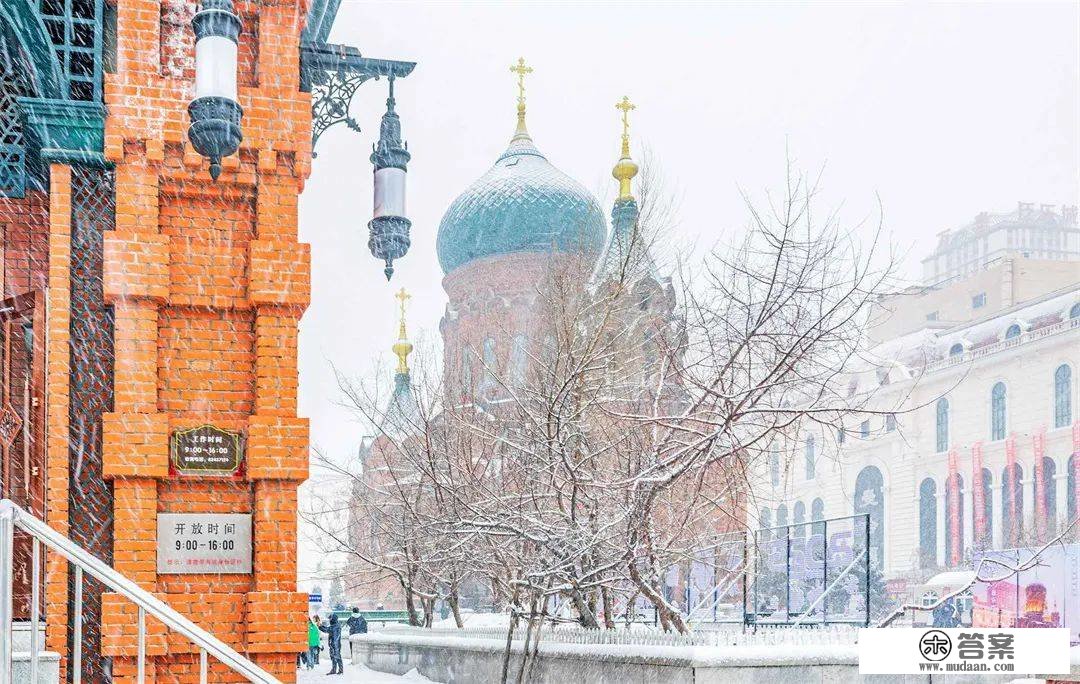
point(522, 204)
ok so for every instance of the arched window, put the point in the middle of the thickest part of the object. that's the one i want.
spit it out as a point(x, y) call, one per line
point(942, 424)
point(774, 465)
point(781, 517)
point(870, 498)
point(810, 458)
point(1062, 396)
point(997, 411)
point(799, 519)
point(765, 519)
point(518, 360)
point(927, 524)
point(954, 488)
point(818, 513)
point(1012, 331)
point(1070, 489)
point(988, 509)
point(1074, 312)
point(1049, 496)
point(1012, 497)
point(490, 362)
point(956, 350)
point(466, 372)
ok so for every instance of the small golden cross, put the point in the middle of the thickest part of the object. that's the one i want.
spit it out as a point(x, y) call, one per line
point(625, 106)
point(402, 296)
point(521, 70)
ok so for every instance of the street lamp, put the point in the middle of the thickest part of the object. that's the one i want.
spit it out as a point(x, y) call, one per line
point(215, 113)
point(388, 230)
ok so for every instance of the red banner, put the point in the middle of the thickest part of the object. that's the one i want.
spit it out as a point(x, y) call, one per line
point(1013, 537)
point(978, 501)
point(956, 535)
point(1038, 441)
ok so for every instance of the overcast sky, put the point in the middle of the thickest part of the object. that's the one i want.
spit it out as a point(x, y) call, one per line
point(943, 111)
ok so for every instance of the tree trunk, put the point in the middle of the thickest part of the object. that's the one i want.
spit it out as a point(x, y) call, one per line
point(585, 615)
point(410, 605)
point(429, 610)
point(605, 598)
point(455, 606)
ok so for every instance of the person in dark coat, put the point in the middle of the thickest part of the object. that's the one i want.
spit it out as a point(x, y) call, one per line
point(333, 636)
point(357, 625)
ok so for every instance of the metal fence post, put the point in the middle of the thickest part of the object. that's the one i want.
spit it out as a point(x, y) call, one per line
point(7, 534)
point(787, 574)
point(867, 545)
point(825, 570)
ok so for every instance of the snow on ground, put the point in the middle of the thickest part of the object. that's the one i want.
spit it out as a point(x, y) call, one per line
point(356, 674)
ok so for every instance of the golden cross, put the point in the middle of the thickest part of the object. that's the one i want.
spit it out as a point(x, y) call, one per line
point(625, 106)
point(521, 70)
point(402, 296)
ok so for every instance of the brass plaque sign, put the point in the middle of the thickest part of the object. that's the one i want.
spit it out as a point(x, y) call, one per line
point(206, 451)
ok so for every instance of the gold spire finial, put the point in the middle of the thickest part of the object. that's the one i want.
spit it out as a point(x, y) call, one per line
point(521, 70)
point(625, 169)
point(402, 348)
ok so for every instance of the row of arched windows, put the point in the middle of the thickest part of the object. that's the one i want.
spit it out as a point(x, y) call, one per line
point(1062, 409)
point(1012, 502)
point(799, 520)
point(1012, 332)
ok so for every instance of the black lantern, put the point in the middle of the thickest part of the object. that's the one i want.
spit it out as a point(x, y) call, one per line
point(389, 229)
point(215, 113)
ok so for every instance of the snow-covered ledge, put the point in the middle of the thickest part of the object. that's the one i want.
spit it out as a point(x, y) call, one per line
point(444, 657)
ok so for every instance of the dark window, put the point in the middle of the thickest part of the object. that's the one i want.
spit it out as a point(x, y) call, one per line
point(927, 524)
point(1074, 311)
point(997, 411)
point(1013, 331)
point(810, 459)
point(942, 441)
point(932, 316)
point(1062, 396)
point(890, 423)
point(774, 466)
point(864, 429)
point(956, 350)
point(978, 301)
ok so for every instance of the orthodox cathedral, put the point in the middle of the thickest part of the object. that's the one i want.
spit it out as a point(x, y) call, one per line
point(498, 243)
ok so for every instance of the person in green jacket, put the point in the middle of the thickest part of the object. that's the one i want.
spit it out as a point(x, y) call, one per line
point(313, 639)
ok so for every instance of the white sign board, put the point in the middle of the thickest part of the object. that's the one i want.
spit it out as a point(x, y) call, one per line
point(203, 543)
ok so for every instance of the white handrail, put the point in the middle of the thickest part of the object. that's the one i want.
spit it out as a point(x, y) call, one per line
point(11, 516)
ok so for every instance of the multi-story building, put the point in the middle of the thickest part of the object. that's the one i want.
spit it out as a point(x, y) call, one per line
point(975, 427)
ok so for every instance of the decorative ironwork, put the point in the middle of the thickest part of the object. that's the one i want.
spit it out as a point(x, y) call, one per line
point(12, 147)
point(90, 498)
point(10, 424)
point(331, 95)
point(332, 74)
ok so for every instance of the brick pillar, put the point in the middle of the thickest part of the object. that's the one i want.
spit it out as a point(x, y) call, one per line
point(57, 382)
point(208, 283)
point(956, 538)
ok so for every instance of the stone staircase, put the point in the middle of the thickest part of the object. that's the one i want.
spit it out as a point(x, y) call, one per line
point(48, 661)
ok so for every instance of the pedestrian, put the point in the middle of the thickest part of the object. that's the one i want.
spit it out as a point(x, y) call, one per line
point(357, 625)
point(333, 636)
point(313, 638)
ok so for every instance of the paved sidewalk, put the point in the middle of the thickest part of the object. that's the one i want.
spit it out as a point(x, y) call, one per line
point(356, 674)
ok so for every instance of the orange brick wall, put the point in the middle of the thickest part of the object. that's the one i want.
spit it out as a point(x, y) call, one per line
point(208, 283)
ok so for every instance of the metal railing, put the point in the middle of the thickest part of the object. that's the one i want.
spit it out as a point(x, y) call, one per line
point(13, 517)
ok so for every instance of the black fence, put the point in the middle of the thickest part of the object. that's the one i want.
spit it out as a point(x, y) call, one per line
point(819, 572)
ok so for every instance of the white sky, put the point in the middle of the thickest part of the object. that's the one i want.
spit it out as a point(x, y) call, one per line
point(943, 111)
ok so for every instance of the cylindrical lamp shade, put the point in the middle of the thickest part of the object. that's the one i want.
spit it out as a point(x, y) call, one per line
point(215, 67)
point(389, 192)
point(215, 112)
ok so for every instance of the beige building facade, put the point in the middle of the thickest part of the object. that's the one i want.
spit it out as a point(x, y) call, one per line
point(976, 440)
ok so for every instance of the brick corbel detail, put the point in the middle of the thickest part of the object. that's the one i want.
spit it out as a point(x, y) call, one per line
point(277, 448)
point(136, 444)
point(272, 617)
point(279, 273)
point(136, 266)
